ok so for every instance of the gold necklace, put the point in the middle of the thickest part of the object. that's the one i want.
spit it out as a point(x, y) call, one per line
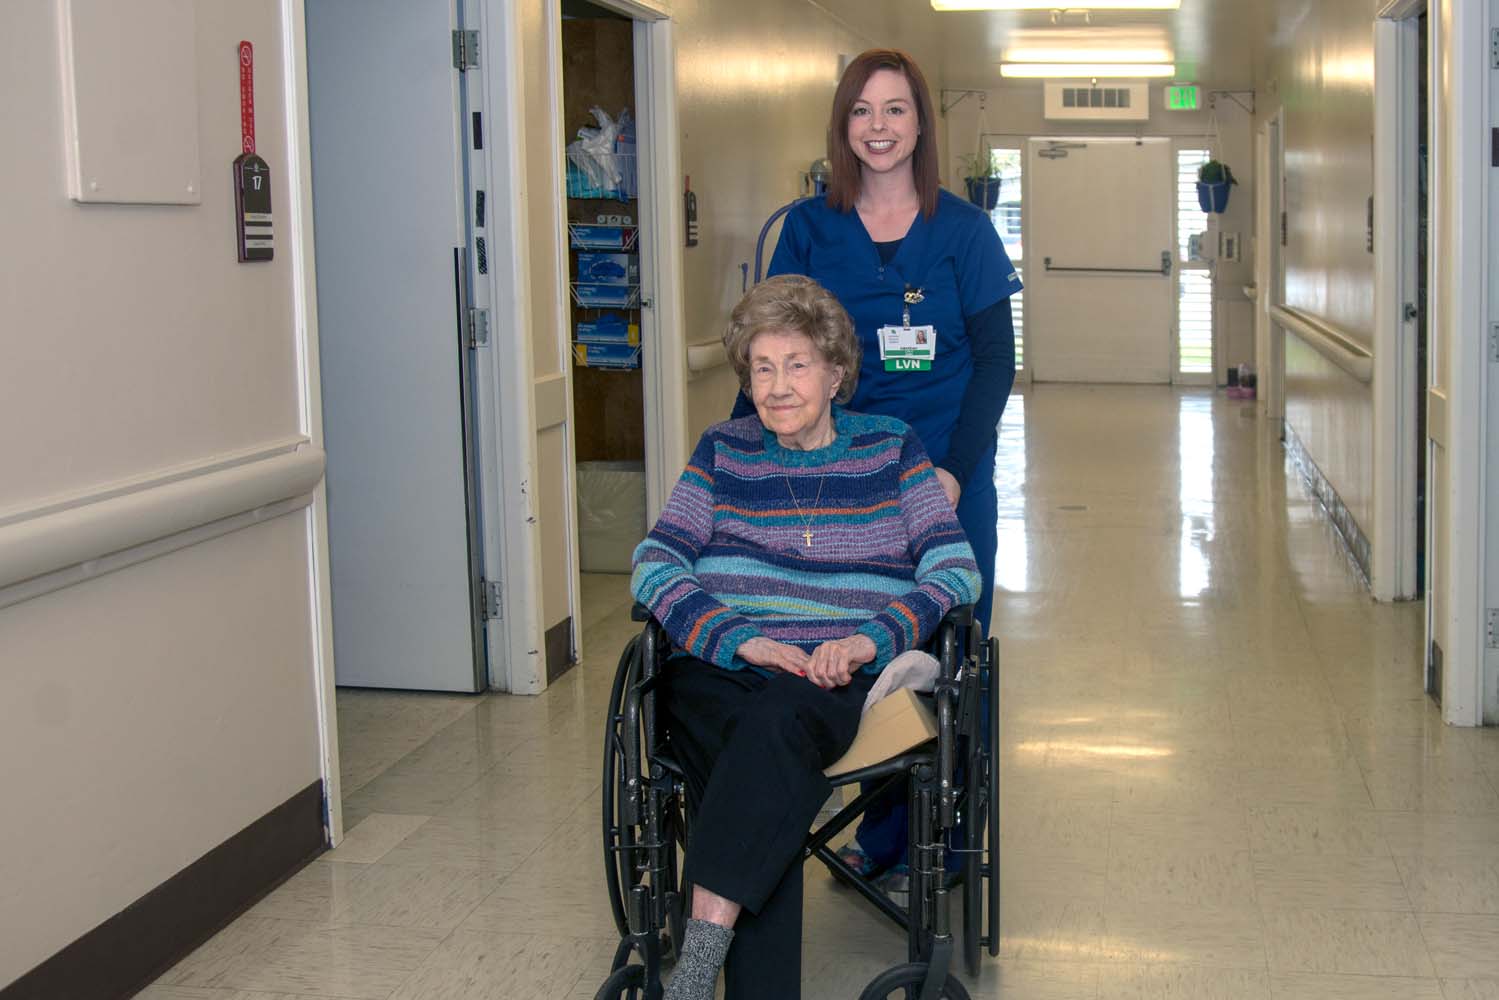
point(806, 521)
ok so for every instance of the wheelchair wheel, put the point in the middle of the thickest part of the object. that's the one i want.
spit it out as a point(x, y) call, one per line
point(619, 836)
point(981, 829)
point(903, 982)
point(626, 983)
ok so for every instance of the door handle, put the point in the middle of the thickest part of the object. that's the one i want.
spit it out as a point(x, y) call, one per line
point(1165, 267)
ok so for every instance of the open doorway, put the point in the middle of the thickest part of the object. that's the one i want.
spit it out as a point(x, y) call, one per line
point(605, 234)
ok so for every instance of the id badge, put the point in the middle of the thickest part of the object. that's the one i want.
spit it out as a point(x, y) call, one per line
point(908, 348)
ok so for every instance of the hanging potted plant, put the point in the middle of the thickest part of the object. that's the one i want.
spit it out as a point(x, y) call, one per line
point(1213, 181)
point(981, 177)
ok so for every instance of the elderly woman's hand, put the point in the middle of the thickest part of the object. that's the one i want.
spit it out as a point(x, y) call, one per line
point(763, 652)
point(833, 664)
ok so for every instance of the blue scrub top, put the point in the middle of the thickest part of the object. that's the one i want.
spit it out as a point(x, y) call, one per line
point(957, 261)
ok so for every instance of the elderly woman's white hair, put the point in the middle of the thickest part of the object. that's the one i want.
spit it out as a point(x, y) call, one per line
point(793, 303)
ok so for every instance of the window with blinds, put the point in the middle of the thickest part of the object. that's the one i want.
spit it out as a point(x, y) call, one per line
point(1194, 302)
point(1008, 222)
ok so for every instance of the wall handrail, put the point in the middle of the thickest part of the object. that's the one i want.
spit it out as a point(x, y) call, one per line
point(56, 535)
point(1328, 340)
point(706, 356)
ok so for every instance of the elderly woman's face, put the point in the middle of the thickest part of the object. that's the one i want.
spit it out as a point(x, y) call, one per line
point(792, 386)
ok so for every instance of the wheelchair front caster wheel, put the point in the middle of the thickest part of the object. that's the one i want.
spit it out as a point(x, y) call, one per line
point(627, 983)
point(904, 982)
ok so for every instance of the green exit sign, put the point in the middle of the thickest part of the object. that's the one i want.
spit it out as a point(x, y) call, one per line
point(1183, 98)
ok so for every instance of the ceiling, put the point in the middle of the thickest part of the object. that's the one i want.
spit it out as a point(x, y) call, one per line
point(1215, 43)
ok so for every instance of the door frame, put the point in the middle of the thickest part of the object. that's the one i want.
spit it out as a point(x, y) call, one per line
point(300, 244)
point(662, 314)
point(1462, 238)
point(1270, 340)
point(1396, 395)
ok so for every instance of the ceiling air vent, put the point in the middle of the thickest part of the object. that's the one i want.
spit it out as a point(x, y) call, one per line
point(1109, 102)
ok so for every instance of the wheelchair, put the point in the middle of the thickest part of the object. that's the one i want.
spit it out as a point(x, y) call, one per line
point(953, 795)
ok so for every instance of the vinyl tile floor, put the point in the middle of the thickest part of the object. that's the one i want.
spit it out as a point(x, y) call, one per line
point(1220, 777)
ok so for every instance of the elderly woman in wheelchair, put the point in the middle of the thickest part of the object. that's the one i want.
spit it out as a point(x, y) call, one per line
point(801, 550)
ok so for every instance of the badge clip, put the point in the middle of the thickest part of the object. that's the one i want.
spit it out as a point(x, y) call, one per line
point(911, 298)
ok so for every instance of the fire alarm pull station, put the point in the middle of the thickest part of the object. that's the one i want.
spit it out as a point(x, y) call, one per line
point(252, 177)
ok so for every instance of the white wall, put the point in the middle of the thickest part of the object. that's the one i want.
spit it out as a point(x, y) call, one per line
point(148, 715)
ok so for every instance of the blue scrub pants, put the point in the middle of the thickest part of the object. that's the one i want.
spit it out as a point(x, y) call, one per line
point(883, 831)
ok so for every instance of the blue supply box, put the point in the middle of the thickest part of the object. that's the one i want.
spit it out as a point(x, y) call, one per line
point(587, 236)
point(593, 295)
point(608, 329)
point(619, 356)
point(609, 268)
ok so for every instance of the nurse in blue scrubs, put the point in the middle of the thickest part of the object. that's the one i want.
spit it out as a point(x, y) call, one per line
point(928, 283)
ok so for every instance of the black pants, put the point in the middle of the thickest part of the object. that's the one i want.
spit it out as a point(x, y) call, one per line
point(754, 749)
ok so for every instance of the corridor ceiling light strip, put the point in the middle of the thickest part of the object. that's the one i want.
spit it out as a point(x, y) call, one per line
point(1110, 71)
point(943, 5)
point(1061, 55)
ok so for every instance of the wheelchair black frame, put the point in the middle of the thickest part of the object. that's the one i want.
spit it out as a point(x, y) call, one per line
point(645, 810)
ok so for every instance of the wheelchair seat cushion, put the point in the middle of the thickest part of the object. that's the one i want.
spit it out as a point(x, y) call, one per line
point(894, 725)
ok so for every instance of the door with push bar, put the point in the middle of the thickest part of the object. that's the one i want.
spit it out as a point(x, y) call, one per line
point(1100, 308)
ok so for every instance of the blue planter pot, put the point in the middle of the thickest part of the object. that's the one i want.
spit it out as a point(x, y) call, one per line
point(1213, 197)
point(983, 192)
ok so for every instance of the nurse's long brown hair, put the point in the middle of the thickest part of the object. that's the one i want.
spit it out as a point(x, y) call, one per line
point(844, 184)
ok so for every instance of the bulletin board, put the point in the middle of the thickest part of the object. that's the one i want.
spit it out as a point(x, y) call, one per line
point(130, 101)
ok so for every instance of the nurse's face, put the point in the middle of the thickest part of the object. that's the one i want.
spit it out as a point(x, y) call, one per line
point(883, 126)
point(792, 386)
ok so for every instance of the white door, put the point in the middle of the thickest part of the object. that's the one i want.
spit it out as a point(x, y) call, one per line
point(389, 194)
point(1099, 296)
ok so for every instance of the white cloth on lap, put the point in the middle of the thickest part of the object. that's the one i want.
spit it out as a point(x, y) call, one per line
point(912, 669)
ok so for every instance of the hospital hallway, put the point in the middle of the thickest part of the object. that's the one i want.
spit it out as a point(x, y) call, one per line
point(1221, 779)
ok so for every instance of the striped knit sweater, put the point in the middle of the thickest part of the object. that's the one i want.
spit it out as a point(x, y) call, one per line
point(728, 560)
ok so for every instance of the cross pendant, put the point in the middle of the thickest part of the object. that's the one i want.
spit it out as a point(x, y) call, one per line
point(807, 534)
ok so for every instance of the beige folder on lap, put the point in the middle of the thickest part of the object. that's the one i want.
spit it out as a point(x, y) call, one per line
point(893, 725)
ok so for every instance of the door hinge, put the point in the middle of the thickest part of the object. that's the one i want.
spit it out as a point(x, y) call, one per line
point(465, 49)
point(490, 606)
point(1494, 344)
point(478, 328)
point(1494, 48)
point(1491, 628)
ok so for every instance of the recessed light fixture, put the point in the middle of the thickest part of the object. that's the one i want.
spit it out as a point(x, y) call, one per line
point(1101, 71)
point(1032, 54)
point(1056, 5)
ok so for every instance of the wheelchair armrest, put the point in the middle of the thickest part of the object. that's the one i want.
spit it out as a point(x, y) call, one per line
point(960, 616)
point(639, 612)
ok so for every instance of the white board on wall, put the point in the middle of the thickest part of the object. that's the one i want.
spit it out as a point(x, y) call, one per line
point(130, 101)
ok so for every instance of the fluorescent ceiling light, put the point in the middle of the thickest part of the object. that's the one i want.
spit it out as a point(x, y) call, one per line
point(1065, 55)
point(1111, 71)
point(1056, 4)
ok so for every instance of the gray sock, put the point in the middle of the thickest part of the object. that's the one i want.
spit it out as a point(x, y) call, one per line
point(705, 947)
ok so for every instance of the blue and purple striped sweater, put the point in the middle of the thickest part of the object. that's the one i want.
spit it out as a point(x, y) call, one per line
point(728, 560)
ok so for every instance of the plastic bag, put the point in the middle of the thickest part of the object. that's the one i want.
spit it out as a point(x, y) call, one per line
point(593, 152)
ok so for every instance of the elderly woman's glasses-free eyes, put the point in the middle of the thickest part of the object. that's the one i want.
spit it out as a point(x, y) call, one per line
point(762, 371)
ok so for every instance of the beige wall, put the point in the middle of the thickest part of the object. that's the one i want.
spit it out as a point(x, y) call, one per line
point(755, 82)
point(151, 713)
point(1321, 76)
